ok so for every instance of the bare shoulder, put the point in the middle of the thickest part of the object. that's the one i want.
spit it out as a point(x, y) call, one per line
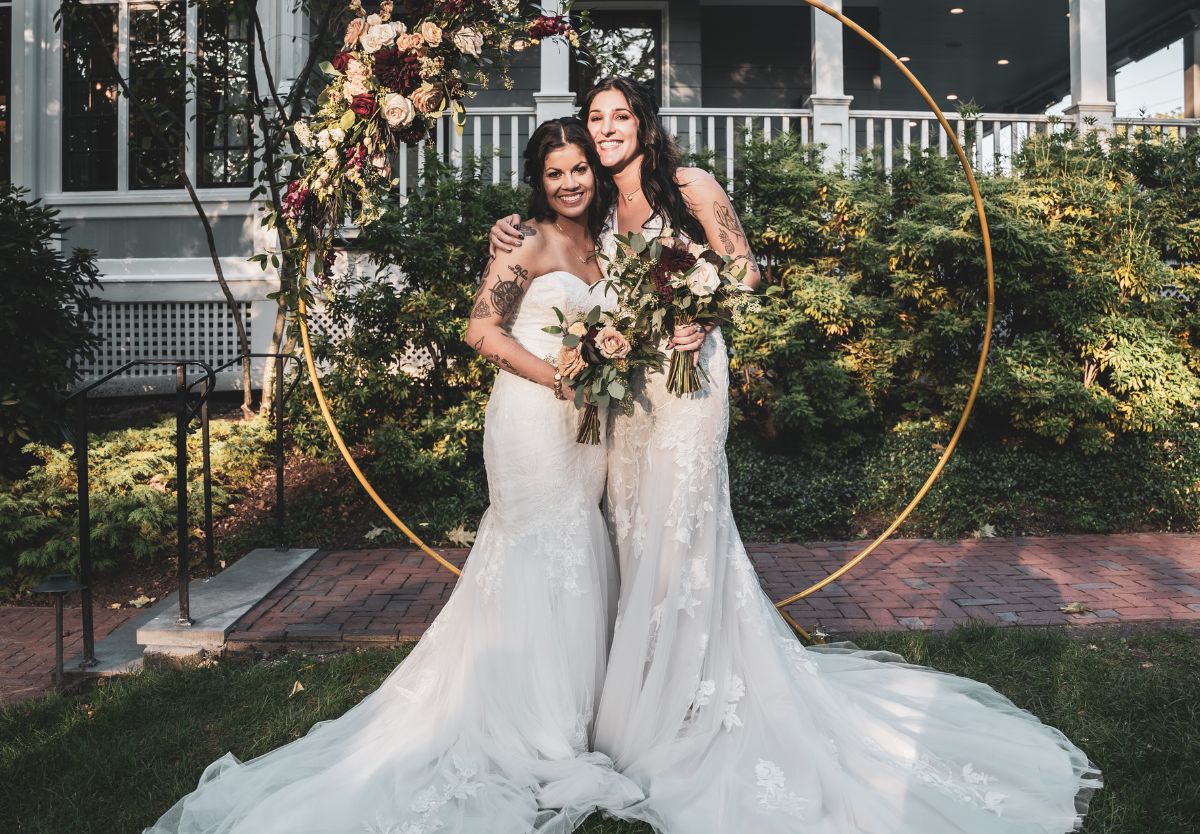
point(697, 181)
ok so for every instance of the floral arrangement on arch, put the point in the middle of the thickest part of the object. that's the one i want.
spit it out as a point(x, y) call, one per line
point(397, 73)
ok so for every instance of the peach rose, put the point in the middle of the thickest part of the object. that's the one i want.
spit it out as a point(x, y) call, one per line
point(398, 111)
point(468, 41)
point(611, 343)
point(410, 42)
point(352, 89)
point(429, 98)
point(578, 329)
point(354, 31)
point(431, 33)
point(570, 362)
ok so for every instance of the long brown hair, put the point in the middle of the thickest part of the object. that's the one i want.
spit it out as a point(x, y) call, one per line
point(550, 136)
point(661, 157)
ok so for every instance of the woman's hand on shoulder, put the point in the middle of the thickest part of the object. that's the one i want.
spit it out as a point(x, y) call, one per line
point(509, 233)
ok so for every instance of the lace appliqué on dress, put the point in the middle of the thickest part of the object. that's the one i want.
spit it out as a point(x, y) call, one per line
point(968, 785)
point(773, 794)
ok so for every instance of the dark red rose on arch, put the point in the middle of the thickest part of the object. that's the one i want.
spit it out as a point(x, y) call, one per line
point(341, 61)
point(364, 105)
point(414, 133)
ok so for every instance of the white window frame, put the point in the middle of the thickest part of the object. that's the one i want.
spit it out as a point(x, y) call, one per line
point(663, 7)
point(123, 201)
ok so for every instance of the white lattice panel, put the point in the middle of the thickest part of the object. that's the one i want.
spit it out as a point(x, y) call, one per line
point(203, 330)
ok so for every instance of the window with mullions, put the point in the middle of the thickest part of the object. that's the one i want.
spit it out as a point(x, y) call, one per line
point(620, 42)
point(158, 81)
point(223, 112)
point(5, 90)
point(90, 94)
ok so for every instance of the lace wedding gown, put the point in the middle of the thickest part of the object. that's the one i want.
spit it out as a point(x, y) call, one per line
point(483, 728)
point(731, 726)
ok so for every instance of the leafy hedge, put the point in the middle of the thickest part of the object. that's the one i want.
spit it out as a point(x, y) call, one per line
point(132, 503)
point(847, 387)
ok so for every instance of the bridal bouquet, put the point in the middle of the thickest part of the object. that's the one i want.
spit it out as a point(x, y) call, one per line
point(666, 282)
point(598, 353)
point(390, 83)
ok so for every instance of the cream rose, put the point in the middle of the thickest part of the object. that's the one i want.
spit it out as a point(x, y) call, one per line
point(398, 111)
point(704, 279)
point(468, 41)
point(431, 33)
point(374, 20)
point(377, 37)
point(570, 362)
point(336, 135)
point(429, 98)
point(611, 343)
point(578, 329)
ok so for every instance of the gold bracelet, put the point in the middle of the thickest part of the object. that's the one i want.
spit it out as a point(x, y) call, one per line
point(558, 381)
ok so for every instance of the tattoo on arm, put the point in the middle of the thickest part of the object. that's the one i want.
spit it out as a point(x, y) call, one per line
point(506, 294)
point(731, 227)
point(481, 310)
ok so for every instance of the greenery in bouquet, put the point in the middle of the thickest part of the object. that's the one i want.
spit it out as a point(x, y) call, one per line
point(398, 72)
point(599, 352)
point(666, 282)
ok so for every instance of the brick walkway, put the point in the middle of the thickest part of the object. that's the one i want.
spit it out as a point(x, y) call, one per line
point(27, 645)
point(383, 596)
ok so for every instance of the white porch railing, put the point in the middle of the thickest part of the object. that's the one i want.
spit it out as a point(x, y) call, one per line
point(496, 136)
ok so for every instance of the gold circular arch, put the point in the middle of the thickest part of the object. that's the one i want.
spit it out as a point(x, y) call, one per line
point(987, 334)
point(937, 470)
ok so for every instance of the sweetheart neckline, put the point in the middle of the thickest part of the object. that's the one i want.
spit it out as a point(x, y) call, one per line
point(573, 275)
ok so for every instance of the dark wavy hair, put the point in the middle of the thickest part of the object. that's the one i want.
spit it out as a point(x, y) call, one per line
point(661, 157)
point(550, 136)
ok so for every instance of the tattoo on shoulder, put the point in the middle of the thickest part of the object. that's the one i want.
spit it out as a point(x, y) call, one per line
point(527, 229)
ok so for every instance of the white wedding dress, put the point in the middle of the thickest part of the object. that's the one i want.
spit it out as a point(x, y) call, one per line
point(483, 728)
point(731, 726)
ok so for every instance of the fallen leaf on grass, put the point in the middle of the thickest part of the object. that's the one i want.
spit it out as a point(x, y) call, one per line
point(986, 531)
point(296, 687)
point(374, 533)
point(1075, 608)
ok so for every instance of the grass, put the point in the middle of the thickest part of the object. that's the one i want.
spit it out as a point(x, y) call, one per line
point(113, 759)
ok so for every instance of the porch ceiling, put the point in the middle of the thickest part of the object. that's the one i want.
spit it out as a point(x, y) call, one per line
point(957, 53)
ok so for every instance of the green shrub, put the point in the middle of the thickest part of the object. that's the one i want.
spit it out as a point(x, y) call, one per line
point(132, 498)
point(44, 321)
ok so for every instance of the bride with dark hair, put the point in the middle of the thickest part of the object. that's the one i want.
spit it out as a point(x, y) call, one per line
point(710, 703)
point(484, 727)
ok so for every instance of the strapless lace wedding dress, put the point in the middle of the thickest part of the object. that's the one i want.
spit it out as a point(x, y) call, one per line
point(483, 728)
point(731, 726)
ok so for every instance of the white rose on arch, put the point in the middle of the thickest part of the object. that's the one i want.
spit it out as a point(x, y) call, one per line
point(398, 111)
point(703, 279)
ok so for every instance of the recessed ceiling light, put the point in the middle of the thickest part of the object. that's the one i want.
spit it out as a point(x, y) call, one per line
point(956, 10)
point(952, 97)
point(1003, 62)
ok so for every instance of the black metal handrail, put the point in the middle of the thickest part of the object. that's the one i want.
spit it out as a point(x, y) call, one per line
point(279, 400)
point(79, 442)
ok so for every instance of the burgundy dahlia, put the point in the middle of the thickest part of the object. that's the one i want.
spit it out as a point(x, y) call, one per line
point(543, 26)
point(414, 133)
point(672, 261)
point(398, 72)
point(364, 105)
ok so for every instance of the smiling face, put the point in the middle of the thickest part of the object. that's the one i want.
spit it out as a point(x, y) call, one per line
point(568, 181)
point(614, 128)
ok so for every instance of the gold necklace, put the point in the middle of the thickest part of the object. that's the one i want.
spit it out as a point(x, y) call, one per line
point(629, 197)
point(582, 259)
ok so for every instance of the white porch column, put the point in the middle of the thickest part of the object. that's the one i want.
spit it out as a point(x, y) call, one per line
point(555, 98)
point(1089, 66)
point(829, 102)
point(1191, 75)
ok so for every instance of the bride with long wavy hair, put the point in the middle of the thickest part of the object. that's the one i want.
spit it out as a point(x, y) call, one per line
point(710, 703)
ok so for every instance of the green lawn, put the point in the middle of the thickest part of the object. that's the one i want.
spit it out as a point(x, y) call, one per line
point(111, 760)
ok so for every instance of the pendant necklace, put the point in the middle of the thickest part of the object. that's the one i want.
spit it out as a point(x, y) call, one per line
point(582, 259)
